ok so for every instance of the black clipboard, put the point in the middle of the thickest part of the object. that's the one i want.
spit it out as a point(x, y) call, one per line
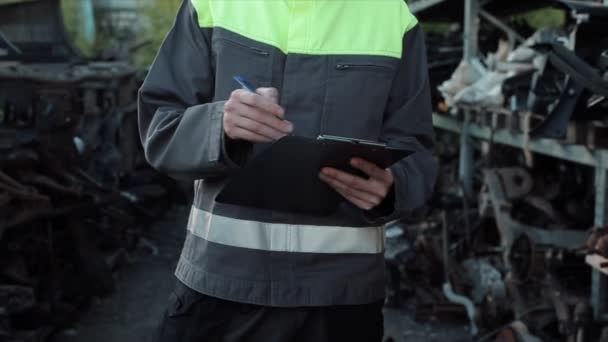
point(285, 176)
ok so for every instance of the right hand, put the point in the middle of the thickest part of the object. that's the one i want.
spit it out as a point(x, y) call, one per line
point(255, 117)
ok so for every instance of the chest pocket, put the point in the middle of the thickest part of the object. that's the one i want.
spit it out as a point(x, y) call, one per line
point(234, 55)
point(357, 93)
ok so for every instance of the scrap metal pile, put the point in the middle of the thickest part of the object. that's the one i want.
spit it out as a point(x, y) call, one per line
point(508, 259)
point(556, 75)
point(74, 190)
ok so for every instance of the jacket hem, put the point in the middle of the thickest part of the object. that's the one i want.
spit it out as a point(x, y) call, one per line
point(276, 294)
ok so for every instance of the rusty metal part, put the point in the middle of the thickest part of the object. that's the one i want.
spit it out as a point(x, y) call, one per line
point(516, 182)
point(594, 235)
point(522, 332)
point(507, 335)
point(75, 191)
point(601, 246)
point(486, 281)
point(510, 229)
point(511, 269)
point(546, 208)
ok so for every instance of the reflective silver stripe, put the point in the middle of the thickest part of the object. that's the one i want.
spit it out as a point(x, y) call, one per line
point(284, 237)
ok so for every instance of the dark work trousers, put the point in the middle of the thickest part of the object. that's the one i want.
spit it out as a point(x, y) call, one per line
point(194, 317)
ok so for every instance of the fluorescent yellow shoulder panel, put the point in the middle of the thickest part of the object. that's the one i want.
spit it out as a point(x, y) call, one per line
point(319, 27)
point(203, 13)
point(263, 20)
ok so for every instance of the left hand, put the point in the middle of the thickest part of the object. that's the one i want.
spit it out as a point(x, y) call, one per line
point(364, 193)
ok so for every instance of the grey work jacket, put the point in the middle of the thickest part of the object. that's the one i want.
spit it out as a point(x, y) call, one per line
point(342, 67)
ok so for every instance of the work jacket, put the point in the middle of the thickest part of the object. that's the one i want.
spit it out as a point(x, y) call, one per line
point(342, 67)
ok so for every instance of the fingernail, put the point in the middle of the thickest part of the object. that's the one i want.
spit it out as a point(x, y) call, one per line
point(354, 162)
point(290, 127)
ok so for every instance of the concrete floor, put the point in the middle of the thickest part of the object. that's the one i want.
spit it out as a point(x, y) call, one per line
point(143, 287)
point(144, 284)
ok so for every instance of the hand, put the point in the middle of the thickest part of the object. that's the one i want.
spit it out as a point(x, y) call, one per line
point(255, 117)
point(364, 193)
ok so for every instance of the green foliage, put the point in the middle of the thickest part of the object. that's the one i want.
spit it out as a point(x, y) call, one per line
point(155, 19)
point(74, 23)
point(159, 16)
point(546, 18)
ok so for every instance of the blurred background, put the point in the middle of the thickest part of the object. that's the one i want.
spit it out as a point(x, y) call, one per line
point(138, 26)
point(512, 246)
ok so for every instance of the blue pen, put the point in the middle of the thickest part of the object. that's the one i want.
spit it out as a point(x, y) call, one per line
point(245, 84)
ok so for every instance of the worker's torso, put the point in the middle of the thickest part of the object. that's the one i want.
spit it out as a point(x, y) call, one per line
point(333, 62)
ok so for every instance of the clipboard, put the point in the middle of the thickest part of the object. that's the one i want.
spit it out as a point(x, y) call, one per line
point(285, 176)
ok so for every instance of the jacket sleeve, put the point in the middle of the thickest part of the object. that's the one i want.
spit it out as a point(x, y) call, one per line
point(180, 128)
point(408, 124)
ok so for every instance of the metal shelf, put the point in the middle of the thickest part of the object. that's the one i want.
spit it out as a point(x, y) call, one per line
point(575, 153)
point(596, 158)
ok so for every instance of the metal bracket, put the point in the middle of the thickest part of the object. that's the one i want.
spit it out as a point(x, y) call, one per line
point(556, 124)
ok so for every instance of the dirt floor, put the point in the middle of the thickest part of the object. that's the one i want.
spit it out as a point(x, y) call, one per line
point(145, 282)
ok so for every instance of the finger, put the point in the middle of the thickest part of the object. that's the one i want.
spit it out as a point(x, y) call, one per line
point(258, 101)
point(359, 203)
point(354, 182)
point(270, 93)
point(345, 190)
point(372, 170)
point(243, 134)
point(369, 186)
point(260, 116)
point(258, 128)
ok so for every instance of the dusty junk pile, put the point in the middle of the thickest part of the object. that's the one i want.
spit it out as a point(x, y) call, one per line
point(554, 76)
point(75, 193)
point(506, 255)
point(513, 254)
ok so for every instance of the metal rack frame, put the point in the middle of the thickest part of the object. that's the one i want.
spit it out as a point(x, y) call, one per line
point(596, 158)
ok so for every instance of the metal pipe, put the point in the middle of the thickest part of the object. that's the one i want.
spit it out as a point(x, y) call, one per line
point(466, 160)
point(464, 301)
point(514, 37)
point(471, 29)
point(449, 293)
point(467, 221)
point(471, 35)
point(599, 284)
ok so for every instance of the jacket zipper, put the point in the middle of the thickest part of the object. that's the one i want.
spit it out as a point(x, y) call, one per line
point(259, 51)
point(344, 66)
point(254, 49)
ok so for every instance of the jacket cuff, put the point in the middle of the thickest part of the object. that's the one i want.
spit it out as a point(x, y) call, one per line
point(388, 210)
point(234, 153)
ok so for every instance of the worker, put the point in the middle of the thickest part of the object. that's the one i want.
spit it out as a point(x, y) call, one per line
point(333, 67)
